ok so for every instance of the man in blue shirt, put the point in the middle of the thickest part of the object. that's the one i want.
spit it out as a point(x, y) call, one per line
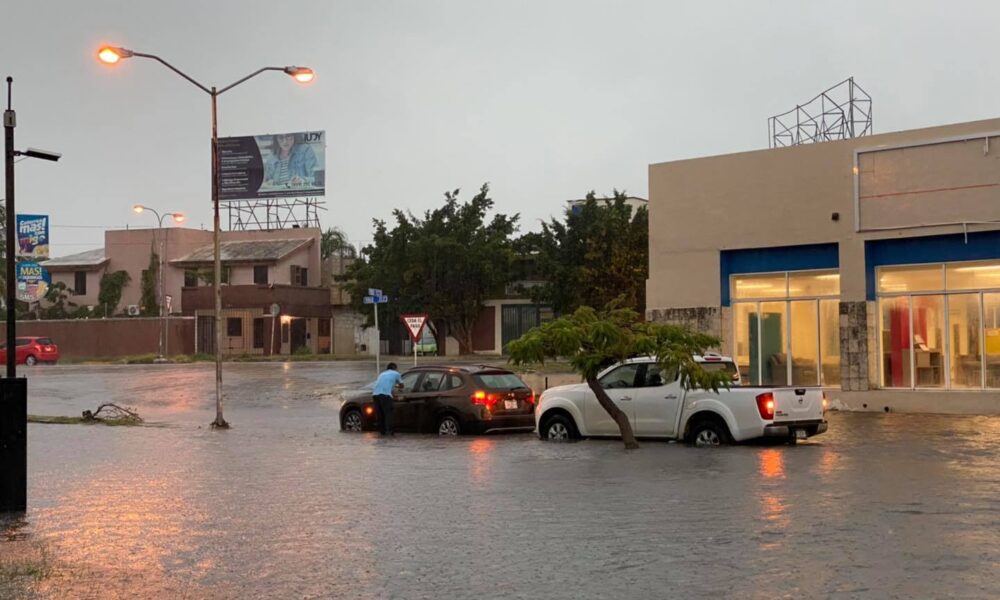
point(382, 397)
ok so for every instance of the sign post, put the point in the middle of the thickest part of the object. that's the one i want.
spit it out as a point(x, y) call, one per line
point(375, 298)
point(415, 325)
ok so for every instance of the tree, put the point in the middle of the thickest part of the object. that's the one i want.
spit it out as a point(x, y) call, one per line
point(445, 264)
point(594, 340)
point(598, 253)
point(57, 301)
point(110, 293)
point(334, 242)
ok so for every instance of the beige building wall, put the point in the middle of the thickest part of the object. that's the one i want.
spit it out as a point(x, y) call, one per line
point(787, 196)
point(933, 181)
point(93, 285)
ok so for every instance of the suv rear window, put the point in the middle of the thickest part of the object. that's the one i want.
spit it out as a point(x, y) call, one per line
point(498, 381)
point(45, 341)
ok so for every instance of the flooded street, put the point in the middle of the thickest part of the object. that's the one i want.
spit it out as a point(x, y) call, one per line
point(284, 505)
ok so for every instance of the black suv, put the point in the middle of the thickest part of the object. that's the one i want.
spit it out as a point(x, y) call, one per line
point(449, 400)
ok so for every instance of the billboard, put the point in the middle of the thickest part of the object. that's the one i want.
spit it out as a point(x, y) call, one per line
point(32, 236)
point(33, 281)
point(272, 166)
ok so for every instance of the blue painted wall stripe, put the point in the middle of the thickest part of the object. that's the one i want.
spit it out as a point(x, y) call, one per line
point(768, 260)
point(981, 245)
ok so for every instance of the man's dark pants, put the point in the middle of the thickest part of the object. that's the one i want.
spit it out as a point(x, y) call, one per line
point(383, 412)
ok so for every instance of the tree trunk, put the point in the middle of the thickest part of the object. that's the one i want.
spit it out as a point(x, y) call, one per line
point(616, 413)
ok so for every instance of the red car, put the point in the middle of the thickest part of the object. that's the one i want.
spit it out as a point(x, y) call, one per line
point(31, 350)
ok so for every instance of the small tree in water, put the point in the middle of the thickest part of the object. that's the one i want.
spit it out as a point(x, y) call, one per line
point(594, 340)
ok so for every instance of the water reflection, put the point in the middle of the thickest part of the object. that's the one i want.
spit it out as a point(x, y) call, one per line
point(771, 463)
point(479, 465)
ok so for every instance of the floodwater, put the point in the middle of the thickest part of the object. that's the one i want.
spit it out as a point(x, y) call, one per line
point(284, 505)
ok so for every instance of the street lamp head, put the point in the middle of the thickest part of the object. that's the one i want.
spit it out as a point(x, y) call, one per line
point(178, 217)
point(42, 154)
point(138, 208)
point(111, 55)
point(301, 74)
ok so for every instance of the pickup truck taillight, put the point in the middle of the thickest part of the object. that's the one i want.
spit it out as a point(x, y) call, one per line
point(765, 406)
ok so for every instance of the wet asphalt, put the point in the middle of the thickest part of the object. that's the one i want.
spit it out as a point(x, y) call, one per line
point(284, 505)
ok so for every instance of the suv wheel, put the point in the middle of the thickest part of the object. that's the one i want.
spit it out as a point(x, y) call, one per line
point(30, 361)
point(559, 428)
point(448, 425)
point(352, 420)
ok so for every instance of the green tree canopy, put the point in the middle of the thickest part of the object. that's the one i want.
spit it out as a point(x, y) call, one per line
point(593, 340)
point(445, 263)
point(599, 252)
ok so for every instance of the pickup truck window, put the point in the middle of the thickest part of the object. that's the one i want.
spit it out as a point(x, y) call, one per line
point(655, 376)
point(622, 377)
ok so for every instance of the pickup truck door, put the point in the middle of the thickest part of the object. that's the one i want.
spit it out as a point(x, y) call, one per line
point(620, 385)
point(656, 402)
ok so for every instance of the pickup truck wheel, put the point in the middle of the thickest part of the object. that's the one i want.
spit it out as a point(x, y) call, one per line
point(706, 434)
point(559, 428)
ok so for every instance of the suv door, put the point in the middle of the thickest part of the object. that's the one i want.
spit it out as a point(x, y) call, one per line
point(619, 384)
point(403, 414)
point(656, 402)
point(421, 404)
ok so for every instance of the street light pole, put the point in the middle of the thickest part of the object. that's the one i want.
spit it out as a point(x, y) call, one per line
point(13, 390)
point(112, 55)
point(161, 292)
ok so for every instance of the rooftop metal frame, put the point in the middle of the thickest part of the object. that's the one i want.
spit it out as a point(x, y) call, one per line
point(841, 112)
point(269, 214)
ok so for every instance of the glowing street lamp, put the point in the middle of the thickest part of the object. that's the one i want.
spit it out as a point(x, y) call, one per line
point(111, 55)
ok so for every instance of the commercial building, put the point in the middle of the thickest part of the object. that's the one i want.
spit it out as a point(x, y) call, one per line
point(870, 266)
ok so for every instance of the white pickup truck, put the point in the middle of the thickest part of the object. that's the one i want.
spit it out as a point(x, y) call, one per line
point(659, 407)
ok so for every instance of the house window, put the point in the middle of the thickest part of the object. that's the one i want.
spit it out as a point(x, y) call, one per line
point(300, 276)
point(786, 327)
point(190, 278)
point(260, 274)
point(939, 325)
point(258, 333)
point(80, 283)
point(234, 327)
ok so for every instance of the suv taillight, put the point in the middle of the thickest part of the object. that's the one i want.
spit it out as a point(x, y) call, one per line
point(765, 406)
point(483, 398)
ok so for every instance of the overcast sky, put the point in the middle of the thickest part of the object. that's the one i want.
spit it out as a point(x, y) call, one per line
point(543, 99)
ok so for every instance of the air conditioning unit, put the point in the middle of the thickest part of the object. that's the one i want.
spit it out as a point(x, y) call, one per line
point(133, 310)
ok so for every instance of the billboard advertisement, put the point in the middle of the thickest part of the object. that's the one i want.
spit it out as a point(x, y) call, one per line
point(33, 281)
point(32, 236)
point(272, 166)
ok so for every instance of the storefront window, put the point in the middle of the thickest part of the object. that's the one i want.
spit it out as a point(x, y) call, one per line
point(965, 341)
point(805, 342)
point(829, 342)
point(759, 286)
point(973, 276)
point(991, 339)
point(782, 336)
point(894, 280)
point(813, 284)
point(743, 345)
point(955, 338)
point(895, 328)
point(928, 340)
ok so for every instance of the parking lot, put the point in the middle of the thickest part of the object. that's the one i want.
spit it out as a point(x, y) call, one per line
point(284, 505)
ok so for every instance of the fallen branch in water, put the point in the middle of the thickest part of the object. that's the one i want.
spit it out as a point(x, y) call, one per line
point(112, 412)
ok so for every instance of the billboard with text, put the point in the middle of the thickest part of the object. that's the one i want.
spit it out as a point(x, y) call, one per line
point(272, 166)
